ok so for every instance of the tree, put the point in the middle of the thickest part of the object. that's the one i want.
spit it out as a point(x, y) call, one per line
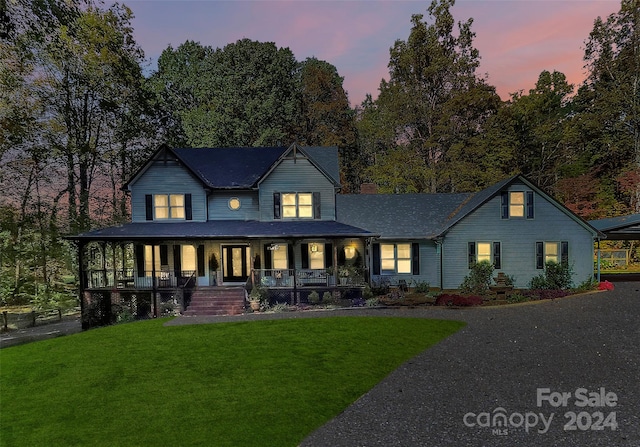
point(609, 118)
point(432, 82)
point(328, 120)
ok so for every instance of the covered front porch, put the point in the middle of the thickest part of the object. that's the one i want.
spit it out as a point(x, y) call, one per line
point(291, 259)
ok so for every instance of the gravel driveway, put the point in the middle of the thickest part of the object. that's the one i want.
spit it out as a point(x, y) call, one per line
point(585, 347)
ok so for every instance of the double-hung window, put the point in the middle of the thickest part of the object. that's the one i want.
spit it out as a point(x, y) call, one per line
point(557, 252)
point(396, 258)
point(296, 205)
point(168, 206)
point(485, 251)
point(517, 204)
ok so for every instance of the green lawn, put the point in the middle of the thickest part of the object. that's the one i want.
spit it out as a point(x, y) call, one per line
point(232, 384)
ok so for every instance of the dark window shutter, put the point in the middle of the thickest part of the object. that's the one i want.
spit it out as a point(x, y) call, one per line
point(276, 205)
point(304, 252)
point(497, 260)
point(148, 206)
point(290, 257)
point(564, 252)
point(317, 205)
point(267, 257)
point(376, 259)
point(200, 254)
point(471, 254)
point(164, 255)
point(188, 208)
point(140, 260)
point(177, 264)
point(529, 204)
point(504, 204)
point(415, 258)
point(328, 255)
point(539, 255)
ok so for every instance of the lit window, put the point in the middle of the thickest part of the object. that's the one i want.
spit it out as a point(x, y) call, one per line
point(316, 256)
point(297, 205)
point(169, 206)
point(484, 252)
point(551, 252)
point(516, 204)
point(395, 258)
point(279, 260)
point(234, 203)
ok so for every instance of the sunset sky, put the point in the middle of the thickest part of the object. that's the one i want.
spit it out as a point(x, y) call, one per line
point(517, 39)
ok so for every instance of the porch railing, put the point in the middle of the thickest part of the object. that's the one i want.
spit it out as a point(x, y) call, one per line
point(284, 278)
point(130, 279)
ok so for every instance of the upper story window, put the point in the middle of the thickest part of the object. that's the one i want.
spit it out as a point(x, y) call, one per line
point(168, 206)
point(517, 204)
point(296, 205)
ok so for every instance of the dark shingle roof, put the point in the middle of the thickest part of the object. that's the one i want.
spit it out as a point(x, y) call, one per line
point(619, 228)
point(230, 167)
point(398, 216)
point(224, 229)
point(242, 167)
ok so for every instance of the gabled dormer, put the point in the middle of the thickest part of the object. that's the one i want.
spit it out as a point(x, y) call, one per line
point(165, 189)
point(301, 185)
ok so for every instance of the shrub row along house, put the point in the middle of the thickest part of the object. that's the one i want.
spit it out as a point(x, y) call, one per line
point(208, 222)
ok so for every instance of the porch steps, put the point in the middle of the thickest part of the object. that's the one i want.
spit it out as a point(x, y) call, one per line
point(216, 301)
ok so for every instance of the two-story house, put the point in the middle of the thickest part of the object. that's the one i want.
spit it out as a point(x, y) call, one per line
point(215, 220)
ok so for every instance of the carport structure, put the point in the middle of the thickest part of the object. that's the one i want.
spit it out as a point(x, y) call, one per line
point(622, 228)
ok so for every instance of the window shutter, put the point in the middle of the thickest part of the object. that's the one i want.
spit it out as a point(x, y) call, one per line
point(564, 252)
point(148, 206)
point(177, 262)
point(276, 205)
point(529, 204)
point(504, 203)
point(317, 205)
point(471, 254)
point(328, 255)
point(164, 255)
point(200, 255)
point(304, 251)
point(267, 257)
point(376, 259)
point(290, 257)
point(539, 255)
point(497, 261)
point(188, 208)
point(140, 260)
point(415, 258)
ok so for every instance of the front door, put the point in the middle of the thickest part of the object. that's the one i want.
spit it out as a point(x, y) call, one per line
point(234, 258)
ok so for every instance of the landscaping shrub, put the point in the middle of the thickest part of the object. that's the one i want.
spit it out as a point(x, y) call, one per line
point(458, 300)
point(518, 298)
point(314, 297)
point(479, 278)
point(423, 287)
point(555, 276)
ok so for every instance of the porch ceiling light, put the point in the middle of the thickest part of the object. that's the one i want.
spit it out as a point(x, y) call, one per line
point(349, 252)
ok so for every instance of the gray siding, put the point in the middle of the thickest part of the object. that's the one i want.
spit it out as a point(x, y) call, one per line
point(219, 206)
point(517, 237)
point(297, 176)
point(167, 177)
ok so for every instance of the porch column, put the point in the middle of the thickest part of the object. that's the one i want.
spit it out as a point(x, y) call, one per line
point(82, 283)
point(153, 280)
point(113, 259)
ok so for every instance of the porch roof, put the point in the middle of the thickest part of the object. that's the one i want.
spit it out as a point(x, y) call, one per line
point(224, 229)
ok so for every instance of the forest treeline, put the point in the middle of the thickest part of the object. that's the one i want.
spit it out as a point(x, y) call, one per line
point(80, 111)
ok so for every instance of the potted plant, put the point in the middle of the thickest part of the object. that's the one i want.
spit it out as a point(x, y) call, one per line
point(213, 269)
point(256, 298)
point(344, 272)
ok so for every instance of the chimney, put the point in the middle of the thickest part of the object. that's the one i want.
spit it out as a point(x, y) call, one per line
point(368, 188)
